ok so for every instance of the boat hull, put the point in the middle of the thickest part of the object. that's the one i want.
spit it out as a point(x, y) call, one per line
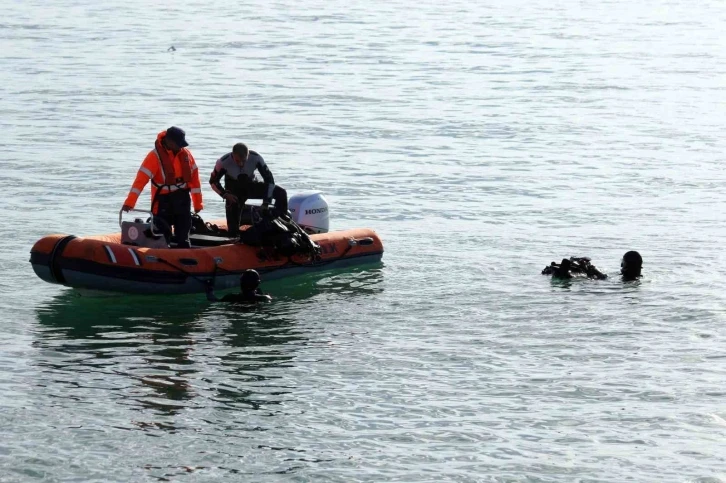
point(103, 264)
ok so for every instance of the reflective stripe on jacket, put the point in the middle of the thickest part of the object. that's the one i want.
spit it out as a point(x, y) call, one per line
point(167, 173)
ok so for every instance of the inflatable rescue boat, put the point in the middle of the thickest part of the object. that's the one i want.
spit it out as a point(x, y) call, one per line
point(139, 261)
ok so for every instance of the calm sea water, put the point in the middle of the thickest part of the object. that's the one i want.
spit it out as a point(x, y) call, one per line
point(481, 140)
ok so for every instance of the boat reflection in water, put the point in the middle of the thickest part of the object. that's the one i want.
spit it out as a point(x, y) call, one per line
point(163, 356)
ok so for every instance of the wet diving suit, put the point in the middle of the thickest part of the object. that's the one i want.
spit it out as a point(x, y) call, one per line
point(574, 267)
point(242, 183)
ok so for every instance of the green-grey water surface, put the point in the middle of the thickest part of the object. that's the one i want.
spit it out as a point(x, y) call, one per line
point(480, 140)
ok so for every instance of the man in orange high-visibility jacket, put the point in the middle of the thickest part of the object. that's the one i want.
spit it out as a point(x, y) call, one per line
point(174, 177)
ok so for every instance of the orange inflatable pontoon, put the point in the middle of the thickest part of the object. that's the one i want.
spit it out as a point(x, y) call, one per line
point(105, 263)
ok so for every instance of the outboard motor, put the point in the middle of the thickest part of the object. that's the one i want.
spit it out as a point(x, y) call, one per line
point(309, 209)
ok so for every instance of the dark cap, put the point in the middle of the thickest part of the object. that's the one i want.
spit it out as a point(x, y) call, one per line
point(249, 280)
point(178, 136)
point(632, 259)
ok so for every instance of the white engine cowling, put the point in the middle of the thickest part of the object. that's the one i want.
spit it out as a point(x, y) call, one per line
point(309, 209)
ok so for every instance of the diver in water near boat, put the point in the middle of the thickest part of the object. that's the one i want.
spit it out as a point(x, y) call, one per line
point(630, 268)
point(249, 293)
point(238, 169)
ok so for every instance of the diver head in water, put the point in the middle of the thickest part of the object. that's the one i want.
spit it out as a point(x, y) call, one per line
point(631, 265)
point(249, 281)
point(249, 292)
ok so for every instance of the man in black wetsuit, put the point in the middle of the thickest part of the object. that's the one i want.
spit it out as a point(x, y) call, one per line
point(631, 266)
point(249, 292)
point(238, 169)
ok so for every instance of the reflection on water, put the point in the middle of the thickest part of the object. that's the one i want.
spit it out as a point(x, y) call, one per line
point(169, 354)
point(341, 282)
point(146, 341)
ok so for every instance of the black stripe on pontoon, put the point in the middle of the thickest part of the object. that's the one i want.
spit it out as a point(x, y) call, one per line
point(56, 271)
point(122, 272)
point(164, 277)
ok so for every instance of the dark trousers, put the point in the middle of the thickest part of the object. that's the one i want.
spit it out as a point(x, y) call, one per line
point(253, 190)
point(175, 210)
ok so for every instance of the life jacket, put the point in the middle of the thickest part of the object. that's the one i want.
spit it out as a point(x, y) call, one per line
point(172, 182)
point(158, 167)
